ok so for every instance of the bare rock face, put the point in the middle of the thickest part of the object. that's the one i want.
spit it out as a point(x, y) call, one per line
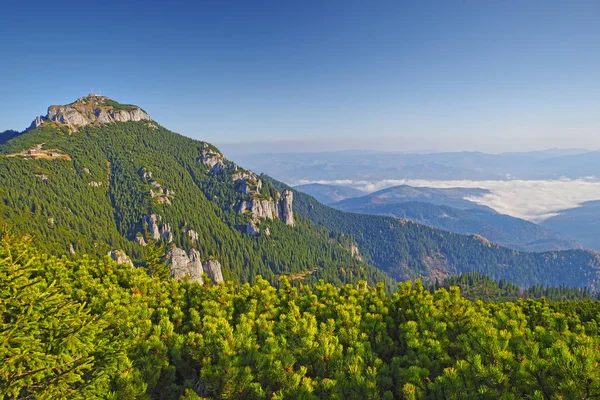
point(152, 222)
point(157, 230)
point(258, 208)
point(355, 252)
point(211, 158)
point(285, 207)
point(213, 269)
point(71, 249)
point(193, 235)
point(165, 232)
point(66, 115)
point(140, 240)
point(162, 196)
point(188, 264)
point(38, 121)
point(120, 257)
point(184, 264)
point(91, 109)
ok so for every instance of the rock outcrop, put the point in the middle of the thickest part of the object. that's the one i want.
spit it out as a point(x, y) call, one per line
point(193, 235)
point(211, 158)
point(285, 207)
point(157, 230)
point(259, 208)
point(140, 240)
point(91, 109)
point(355, 252)
point(213, 269)
point(184, 264)
point(151, 222)
point(165, 232)
point(269, 209)
point(120, 257)
point(188, 264)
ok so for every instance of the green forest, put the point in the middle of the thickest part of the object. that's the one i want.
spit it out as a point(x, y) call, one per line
point(90, 328)
point(94, 198)
point(406, 250)
point(53, 200)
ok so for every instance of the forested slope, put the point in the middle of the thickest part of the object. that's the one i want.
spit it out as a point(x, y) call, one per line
point(406, 250)
point(104, 181)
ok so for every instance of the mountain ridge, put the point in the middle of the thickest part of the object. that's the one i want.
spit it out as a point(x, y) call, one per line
point(119, 178)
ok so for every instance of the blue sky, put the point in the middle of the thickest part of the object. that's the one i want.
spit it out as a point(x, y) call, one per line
point(311, 75)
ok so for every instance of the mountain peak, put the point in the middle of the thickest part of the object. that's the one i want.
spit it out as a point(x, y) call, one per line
point(91, 109)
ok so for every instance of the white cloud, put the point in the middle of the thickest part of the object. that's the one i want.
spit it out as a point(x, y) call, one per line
point(531, 200)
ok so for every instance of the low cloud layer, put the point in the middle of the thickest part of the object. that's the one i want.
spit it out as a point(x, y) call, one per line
point(531, 200)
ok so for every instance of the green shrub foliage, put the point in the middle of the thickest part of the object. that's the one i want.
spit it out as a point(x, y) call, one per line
point(89, 328)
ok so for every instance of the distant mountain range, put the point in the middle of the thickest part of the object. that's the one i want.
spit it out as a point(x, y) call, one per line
point(102, 178)
point(581, 223)
point(451, 197)
point(447, 209)
point(328, 194)
point(372, 166)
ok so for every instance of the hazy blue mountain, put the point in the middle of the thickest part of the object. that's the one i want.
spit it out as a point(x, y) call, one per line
point(452, 197)
point(498, 228)
point(295, 168)
point(405, 249)
point(328, 194)
point(581, 223)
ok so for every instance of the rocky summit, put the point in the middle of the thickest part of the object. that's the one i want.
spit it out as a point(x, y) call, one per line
point(91, 109)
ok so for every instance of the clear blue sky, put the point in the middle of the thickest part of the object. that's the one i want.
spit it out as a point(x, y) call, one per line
point(447, 75)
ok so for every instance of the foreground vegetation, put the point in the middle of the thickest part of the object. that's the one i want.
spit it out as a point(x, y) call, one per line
point(94, 329)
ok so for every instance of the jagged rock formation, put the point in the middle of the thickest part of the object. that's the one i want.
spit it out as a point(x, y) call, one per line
point(95, 184)
point(257, 205)
point(71, 249)
point(157, 230)
point(162, 196)
point(187, 263)
point(91, 109)
point(120, 257)
point(269, 208)
point(355, 252)
point(247, 182)
point(212, 158)
point(193, 235)
point(285, 208)
point(213, 269)
point(165, 232)
point(184, 264)
point(140, 240)
point(259, 208)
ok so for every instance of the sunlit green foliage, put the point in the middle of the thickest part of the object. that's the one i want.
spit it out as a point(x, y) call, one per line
point(95, 329)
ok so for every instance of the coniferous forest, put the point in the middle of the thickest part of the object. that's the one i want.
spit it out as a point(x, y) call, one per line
point(307, 309)
point(91, 328)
